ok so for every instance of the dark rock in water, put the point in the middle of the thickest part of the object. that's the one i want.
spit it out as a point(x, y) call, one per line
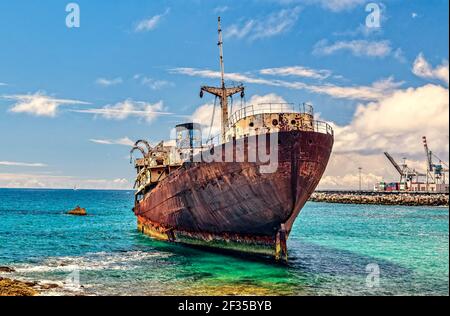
point(31, 283)
point(7, 269)
point(49, 286)
point(78, 211)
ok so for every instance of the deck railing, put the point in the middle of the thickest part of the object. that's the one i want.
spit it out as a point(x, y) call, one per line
point(264, 108)
point(267, 108)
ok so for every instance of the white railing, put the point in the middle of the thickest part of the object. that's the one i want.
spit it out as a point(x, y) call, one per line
point(268, 108)
point(309, 126)
point(264, 108)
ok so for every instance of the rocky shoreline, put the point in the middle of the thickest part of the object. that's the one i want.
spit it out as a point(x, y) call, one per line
point(11, 287)
point(381, 198)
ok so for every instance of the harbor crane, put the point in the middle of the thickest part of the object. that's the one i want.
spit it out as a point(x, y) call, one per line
point(435, 171)
point(407, 175)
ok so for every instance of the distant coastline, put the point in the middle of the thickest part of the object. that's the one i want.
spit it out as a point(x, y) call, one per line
point(381, 198)
point(329, 196)
point(68, 189)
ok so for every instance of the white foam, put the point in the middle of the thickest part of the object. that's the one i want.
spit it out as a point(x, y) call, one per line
point(91, 262)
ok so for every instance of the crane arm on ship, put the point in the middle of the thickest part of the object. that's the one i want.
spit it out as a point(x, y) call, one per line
point(134, 149)
point(146, 144)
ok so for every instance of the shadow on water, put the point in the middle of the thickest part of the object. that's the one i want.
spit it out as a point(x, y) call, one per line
point(304, 258)
point(313, 258)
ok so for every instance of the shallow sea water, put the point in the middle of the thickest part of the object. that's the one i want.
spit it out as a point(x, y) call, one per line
point(333, 250)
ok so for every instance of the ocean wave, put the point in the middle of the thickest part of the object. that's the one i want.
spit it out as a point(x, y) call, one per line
point(92, 262)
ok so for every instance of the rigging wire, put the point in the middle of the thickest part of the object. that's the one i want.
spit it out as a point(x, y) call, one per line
point(212, 119)
point(231, 105)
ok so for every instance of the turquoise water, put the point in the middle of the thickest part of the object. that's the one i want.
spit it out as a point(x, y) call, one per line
point(330, 248)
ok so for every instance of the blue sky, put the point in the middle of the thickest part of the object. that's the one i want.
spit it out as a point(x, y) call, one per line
point(59, 84)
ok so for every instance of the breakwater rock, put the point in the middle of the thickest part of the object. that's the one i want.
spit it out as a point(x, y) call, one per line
point(381, 198)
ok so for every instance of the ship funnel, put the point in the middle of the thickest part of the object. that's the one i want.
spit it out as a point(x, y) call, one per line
point(189, 136)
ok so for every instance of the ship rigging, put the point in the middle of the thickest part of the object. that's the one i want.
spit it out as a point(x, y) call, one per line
point(222, 92)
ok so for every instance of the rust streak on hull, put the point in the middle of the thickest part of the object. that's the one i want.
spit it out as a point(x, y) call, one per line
point(234, 206)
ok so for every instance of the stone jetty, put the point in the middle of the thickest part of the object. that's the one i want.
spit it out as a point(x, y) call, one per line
point(381, 198)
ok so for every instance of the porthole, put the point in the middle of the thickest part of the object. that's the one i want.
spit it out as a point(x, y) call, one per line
point(275, 122)
point(310, 141)
point(252, 124)
point(293, 122)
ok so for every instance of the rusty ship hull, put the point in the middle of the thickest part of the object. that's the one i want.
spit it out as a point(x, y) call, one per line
point(231, 205)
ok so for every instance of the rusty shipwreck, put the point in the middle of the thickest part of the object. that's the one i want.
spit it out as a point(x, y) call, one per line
point(240, 191)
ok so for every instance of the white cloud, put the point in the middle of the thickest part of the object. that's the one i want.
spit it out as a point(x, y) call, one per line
point(151, 83)
point(107, 183)
point(339, 5)
point(150, 23)
point(24, 180)
point(350, 180)
point(125, 141)
point(423, 69)
point(356, 47)
point(203, 115)
point(332, 5)
point(122, 180)
point(3, 84)
point(108, 82)
point(39, 104)
point(269, 26)
point(397, 122)
point(128, 108)
point(375, 91)
point(298, 71)
point(399, 55)
point(221, 9)
point(21, 164)
point(206, 73)
point(394, 123)
point(362, 29)
point(265, 99)
point(414, 15)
